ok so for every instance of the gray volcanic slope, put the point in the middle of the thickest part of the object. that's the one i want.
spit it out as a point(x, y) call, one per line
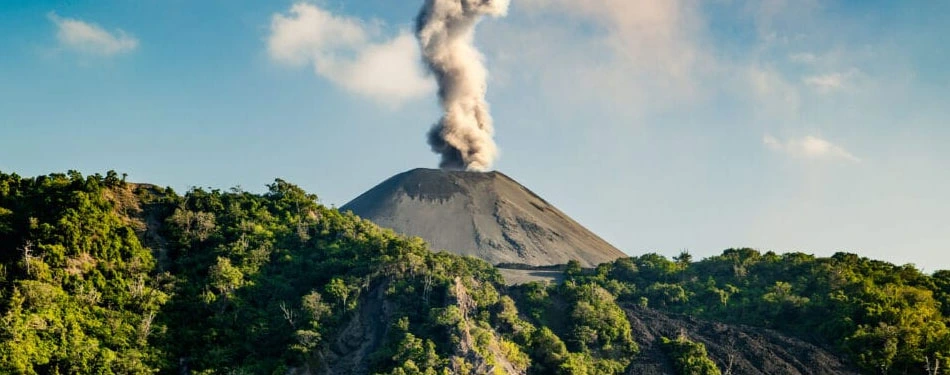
point(486, 215)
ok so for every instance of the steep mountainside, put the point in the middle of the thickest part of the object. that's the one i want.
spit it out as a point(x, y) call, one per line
point(486, 215)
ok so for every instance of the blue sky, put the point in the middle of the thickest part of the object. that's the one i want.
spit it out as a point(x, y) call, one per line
point(662, 125)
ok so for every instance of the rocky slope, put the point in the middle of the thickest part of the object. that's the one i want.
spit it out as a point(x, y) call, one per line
point(486, 215)
point(736, 349)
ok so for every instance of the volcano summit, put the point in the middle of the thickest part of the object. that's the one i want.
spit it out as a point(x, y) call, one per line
point(485, 215)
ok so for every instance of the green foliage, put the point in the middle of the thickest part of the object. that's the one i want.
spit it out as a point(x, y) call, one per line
point(77, 292)
point(266, 282)
point(549, 351)
point(689, 358)
point(596, 330)
point(412, 355)
point(244, 283)
point(887, 318)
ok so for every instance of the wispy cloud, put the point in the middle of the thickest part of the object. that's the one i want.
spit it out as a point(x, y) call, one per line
point(809, 147)
point(774, 18)
point(774, 93)
point(350, 53)
point(634, 56)
point(803, 58)
point(89, 38)
point(828, 82)
point(653, 35)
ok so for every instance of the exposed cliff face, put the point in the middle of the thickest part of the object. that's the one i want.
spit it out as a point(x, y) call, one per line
point(486, 215)
point(486, 360)
point(366, 330)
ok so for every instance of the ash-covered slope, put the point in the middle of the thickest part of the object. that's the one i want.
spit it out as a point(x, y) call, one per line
point(486, 215)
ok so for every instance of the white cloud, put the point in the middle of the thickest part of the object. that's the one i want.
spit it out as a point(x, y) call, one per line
point(348, 52)
point(809, 147)
point(90, 38)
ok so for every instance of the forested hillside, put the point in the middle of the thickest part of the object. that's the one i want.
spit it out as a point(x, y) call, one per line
point(101, 276)
point(886, 318)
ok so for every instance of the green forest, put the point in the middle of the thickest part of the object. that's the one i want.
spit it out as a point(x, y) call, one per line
point(102, 276)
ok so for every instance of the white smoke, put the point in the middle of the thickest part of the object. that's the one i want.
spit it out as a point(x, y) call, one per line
point(445, 29)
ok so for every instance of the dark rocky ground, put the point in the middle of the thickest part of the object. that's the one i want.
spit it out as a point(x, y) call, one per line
point(736, 349)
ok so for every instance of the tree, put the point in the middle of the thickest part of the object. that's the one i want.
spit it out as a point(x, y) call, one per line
point(224, 277)
point(338, 290)
point(684, 259)
point(573, 269)
point(689, 358)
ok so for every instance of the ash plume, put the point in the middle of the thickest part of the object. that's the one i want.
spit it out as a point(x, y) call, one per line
point(445, 28)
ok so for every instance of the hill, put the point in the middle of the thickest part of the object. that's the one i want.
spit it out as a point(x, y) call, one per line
point(486, 215)
point(98, 275)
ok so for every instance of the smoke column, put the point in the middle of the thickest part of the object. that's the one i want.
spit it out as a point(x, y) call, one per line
point(445, 29)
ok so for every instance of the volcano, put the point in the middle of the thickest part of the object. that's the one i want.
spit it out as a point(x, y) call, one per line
point(487, 215)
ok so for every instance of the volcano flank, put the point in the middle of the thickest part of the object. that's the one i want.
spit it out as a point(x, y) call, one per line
point(486, 215)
